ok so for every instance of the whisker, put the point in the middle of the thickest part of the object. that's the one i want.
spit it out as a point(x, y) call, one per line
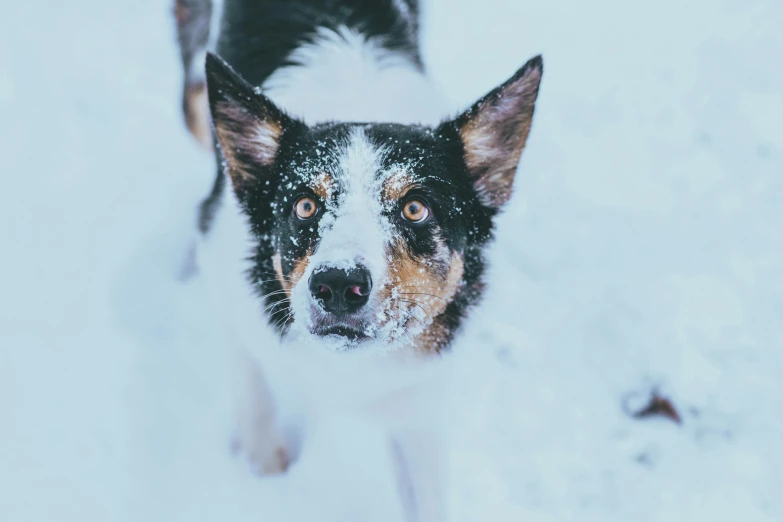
point(282, 324)
point(279, 311)
point(421, 293)
point(283, 320)
point(270, 273)
point(415, 303)
point(273, 281)
point(408, 334)
point(275, 304)
point(277, 276)
point(276, 292)
point(411, 316)
point(268, 281)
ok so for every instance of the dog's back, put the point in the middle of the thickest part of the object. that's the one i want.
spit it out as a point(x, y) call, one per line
point(349, 60)
point(260, 36)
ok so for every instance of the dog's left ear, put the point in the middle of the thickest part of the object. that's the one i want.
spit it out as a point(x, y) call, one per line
point(247, 124)
point(494, 131)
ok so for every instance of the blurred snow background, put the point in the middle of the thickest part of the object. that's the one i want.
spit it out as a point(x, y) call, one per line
point(642, 251)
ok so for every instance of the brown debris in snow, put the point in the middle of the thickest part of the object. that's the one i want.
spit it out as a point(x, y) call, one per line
point(659, 406)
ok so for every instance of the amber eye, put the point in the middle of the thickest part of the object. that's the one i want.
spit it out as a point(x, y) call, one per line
point(305, 208)
point(415, 211)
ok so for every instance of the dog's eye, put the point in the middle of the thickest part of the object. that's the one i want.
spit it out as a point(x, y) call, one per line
point(305, 208)
point(415, 211)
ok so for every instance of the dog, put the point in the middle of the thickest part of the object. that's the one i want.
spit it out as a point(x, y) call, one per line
point(350, 246)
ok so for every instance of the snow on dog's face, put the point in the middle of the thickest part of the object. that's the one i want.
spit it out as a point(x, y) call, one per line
point(370, 234)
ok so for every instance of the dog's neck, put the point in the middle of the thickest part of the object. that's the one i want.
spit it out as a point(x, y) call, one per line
point(346, 76)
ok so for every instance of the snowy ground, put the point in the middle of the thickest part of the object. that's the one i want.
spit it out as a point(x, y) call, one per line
point(643, 250)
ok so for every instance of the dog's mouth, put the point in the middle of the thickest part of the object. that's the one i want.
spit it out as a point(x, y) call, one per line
point(338, 331)
point(346, 332)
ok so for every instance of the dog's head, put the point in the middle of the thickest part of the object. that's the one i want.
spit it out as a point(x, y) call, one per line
point(370, 234)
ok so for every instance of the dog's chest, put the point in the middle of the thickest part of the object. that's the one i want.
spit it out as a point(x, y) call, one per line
point(309, 379)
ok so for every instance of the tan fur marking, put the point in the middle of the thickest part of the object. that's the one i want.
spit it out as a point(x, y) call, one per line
point(495, 136)
point(396, 186)
point(196, 108)
point(278, 265)
point(434, 337)
point(322, 186)
point(416, 285)
point(495, 180)
point(288, 282)
point(299, 269)
point(261, 145)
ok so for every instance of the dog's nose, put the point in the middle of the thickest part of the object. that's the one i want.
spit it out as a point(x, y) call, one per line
point(341, 292)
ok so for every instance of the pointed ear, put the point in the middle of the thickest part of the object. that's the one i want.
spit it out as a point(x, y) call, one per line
point(247, 124)
point(494, 132)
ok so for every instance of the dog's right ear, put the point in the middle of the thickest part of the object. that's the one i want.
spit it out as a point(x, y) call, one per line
point(248, 125)
point(494, 132)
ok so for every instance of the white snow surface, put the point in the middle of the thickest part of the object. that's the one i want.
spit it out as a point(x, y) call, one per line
point(642, 250)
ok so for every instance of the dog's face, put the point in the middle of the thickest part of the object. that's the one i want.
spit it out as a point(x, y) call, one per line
point(369, 234)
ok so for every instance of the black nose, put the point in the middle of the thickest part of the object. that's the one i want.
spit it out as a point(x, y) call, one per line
point(341, 292)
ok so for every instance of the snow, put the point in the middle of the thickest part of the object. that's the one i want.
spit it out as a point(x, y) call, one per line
point(641, 251)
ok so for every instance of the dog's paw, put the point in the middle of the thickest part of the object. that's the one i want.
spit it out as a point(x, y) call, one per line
point(265, 457)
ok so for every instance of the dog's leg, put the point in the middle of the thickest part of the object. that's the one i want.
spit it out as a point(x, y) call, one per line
point(416, 421)
point(422, 476)
point(210, 204)
point(258, 437)
point(194, 18)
